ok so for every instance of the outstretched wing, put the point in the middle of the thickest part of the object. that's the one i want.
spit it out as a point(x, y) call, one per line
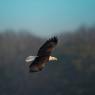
point(47, 47)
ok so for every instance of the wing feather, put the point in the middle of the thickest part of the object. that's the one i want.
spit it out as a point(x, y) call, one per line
point(47, 47)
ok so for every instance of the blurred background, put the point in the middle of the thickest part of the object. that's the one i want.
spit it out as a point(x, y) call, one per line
point(26, 24)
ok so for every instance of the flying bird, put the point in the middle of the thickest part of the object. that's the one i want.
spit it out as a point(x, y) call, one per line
point(43, 56)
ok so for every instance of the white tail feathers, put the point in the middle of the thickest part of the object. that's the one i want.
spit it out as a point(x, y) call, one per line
point(30, 58)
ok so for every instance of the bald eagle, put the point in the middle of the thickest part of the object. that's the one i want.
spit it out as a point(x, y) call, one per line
point(43, 56)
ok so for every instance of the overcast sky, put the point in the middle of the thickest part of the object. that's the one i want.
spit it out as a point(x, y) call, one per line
point(46, 17)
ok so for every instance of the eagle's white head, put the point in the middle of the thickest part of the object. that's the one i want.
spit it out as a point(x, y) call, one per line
point(51, 58)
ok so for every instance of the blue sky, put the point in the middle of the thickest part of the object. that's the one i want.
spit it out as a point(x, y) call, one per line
point(46, 17)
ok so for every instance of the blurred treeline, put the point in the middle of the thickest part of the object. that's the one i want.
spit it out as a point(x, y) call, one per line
point(72, 74)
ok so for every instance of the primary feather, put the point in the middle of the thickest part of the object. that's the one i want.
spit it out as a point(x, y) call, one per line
point(47, 47)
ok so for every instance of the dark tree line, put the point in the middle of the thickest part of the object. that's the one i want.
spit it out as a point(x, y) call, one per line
point(72, 74)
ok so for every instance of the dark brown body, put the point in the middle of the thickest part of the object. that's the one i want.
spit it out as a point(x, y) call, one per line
point(38, 65)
